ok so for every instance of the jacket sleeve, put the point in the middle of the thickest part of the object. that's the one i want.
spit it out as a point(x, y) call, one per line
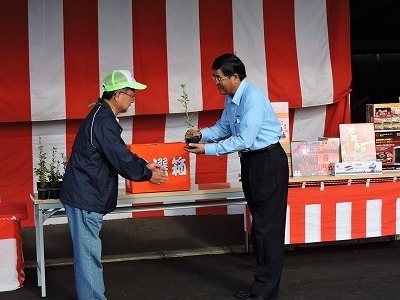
point(113, 148)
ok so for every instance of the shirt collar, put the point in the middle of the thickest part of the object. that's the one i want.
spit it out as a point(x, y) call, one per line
point(239, 92)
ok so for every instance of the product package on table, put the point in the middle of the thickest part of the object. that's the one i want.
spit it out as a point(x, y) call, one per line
point(388, 148)
point(314, 157)
point(357, 167)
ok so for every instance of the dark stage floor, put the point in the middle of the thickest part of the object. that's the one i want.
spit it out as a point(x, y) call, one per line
point(355, 271)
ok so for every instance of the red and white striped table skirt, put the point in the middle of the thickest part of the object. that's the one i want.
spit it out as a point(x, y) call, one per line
point(341, 212)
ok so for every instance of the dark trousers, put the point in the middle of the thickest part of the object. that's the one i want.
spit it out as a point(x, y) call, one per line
point(265, 178)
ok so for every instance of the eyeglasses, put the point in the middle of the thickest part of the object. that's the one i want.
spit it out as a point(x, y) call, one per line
point(219, 79)
point(133, 96)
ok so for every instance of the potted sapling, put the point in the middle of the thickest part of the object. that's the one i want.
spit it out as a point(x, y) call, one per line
point(54, 175)
point(42, 171)
point(64, 162)
point(192, 135)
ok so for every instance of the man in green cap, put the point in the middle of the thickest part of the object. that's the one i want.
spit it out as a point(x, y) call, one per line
point(90, 184)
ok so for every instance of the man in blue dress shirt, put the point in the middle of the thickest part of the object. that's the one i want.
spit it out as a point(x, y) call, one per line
point(248, 125)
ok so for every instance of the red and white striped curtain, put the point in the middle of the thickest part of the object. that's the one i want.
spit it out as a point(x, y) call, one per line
point(55, 53)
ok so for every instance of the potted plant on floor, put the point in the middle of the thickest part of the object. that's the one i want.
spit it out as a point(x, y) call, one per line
point(41, 171)
point(54, 175)
point(191, 136)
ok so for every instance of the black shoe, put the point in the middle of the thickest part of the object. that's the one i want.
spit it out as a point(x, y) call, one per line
point(243, 294)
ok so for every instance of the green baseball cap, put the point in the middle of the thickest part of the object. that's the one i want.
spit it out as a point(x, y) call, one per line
point(119, 79)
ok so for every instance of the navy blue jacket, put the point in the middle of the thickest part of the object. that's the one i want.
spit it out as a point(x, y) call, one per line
point(98, 155)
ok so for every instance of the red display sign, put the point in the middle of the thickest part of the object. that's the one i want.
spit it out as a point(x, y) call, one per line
point(174, 160)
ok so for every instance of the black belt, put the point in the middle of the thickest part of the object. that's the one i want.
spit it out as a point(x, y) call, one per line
point(259, 151)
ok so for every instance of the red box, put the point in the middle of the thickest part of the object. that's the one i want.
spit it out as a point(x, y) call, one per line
point(172, 157)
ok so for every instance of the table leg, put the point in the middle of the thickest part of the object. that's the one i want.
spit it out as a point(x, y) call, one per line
point(37, 245)
point(40, 263)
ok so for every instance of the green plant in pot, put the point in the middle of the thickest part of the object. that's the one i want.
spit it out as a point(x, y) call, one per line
point(54, 175)
point(64, 162)
point(42, 171)
point(192, 135)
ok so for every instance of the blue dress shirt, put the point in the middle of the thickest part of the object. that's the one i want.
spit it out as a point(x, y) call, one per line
point(248, 122)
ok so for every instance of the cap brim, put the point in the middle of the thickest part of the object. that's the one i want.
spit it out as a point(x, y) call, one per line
point(137, 86)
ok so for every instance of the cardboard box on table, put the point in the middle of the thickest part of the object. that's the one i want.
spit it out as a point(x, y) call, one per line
point(286, 147)
point(281, 110)
point(357, 142)
point(313, 158)
point(387, 143)
point(384, 115)
point(357, 167)
point(172, 157)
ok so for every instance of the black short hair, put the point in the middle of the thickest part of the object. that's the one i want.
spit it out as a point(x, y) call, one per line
point(230, 64)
